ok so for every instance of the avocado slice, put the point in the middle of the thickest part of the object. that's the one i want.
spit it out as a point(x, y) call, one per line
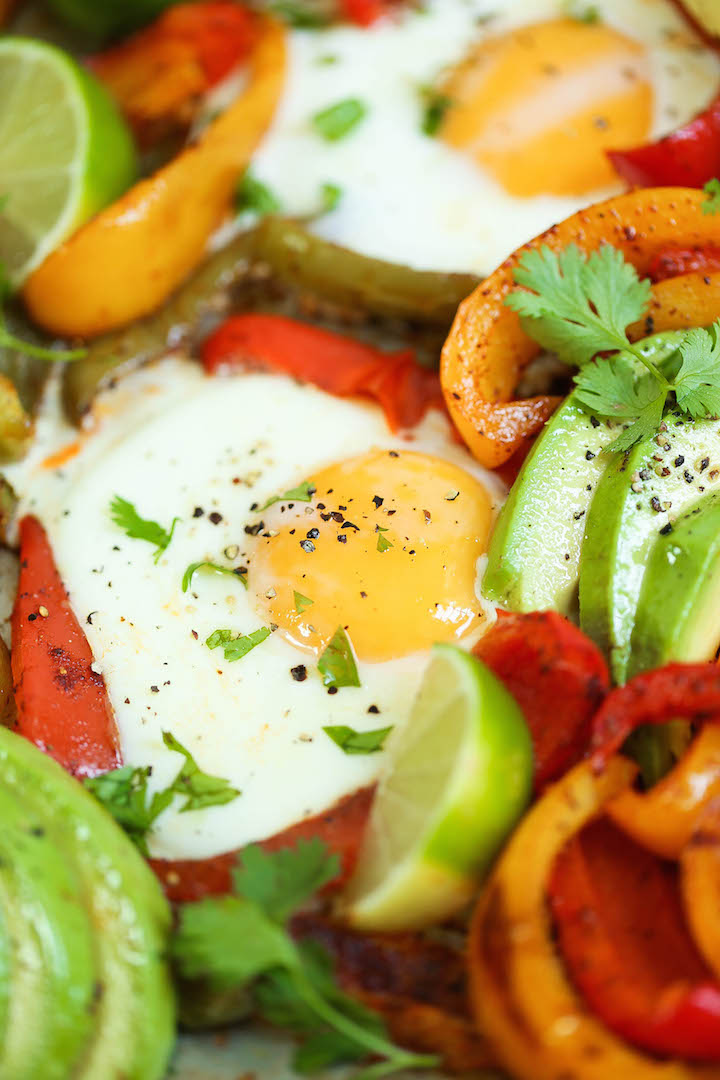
point(639, 496)
point(51, 952)
point(534, 552)
point(678, 616)
point(133, 1006)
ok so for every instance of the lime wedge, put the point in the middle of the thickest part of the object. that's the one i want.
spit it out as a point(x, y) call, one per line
point(65, 151)
point(459, 776)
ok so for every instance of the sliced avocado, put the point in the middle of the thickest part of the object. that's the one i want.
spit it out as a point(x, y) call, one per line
point(640, 495)
point(534, 551)
point(54, 939)
point(133, 1029)
point(678, 616)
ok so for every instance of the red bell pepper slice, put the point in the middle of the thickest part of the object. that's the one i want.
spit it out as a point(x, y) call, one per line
point(677, 691)
point(332, 362)
point(688, 157)
point(557, 676)
point(674, 261)
point(340, 828)
point(624, 940)
point(62, 704)
point(364, 12)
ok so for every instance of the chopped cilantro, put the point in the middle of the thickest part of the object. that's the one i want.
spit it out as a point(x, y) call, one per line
point(194, 567)
point(337, 663)
point(436, 106)
point(243, 940)
point(582, 13)
point(234, 648)
point(711, 205)
point(338, 120)
point(124, 793)
point(255, 196)
point(382, 543)
point(301, 15)
point(124, 514)
point(302, 493)
point(301, 602)
point(331, 195)
point(357, 742)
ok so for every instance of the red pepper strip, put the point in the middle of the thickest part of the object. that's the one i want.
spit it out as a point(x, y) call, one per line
point(558, 678)
point(62, 704)
point(688, 157)
point(340, 828)
point(624, 940)
point(337, 364)
point(677, 691)
point(672, 262)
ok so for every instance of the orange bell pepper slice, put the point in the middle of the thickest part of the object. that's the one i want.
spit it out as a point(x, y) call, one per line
point(700, 884)
point(126, 261)
point(487, 349)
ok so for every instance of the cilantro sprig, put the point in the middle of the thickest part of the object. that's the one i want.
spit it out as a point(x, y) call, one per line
point(302, 493)
point(124, 793)
point(243, 940)
point(8, 340)
point(580, 307)
point(337, 663)
point(126, 517)
point(357, 742)
point(235, 647)
point(193, 568)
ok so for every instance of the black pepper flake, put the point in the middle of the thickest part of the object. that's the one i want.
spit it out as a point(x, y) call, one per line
point(307, 545)
point(321, 506)
point(337, 516)
point(326, 517)
point(215, 517)
point(155, 689)
point(349, 525)
point(594, 421)
point(666, 529)
point(578, 514)
point(194, 634)
point(567, 557)
point(342, 538)
point(332, 689)
point(299, 673)
point(704, 464)
point(390, 512)
point(312, 534)
point(343, 508)
point(89, 618)
point(374, 710)
point(198, 511)
point(363, 595)
point(644, 474)
point(393, 453)
point(378, 501)
point(688, 476)
point(255, 530)
point(679, 460)
point(656, 504)
point(32, 617)
point(589, 455)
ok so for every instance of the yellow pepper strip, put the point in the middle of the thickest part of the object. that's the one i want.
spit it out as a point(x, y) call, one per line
point(521, 995)
point(700, 884)
point(487, 349)
point(126, 261)
point(664, 818)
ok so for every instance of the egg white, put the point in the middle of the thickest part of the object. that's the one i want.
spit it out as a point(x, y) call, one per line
point(173, 440)
point(410, 198)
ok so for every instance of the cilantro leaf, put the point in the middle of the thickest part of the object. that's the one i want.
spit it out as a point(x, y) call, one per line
point(578, 306)
point(330, 194)
point(124, 514)
point(281, 881)
point(234, 648)
point(711, 205)
point(194, 567)
point(357, 742)
point(582, 13)
point(696, 384)
point(9, 340)
point(299, 14)
point(301, 602)
point(382, 543)
point(302, 493)
point(256, 197)
point(338, 120)
point(337, 663)
point(197, 788)
point(436, 106)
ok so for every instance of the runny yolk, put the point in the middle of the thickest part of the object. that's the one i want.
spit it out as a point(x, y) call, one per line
point(538, 107)
point(387, 549)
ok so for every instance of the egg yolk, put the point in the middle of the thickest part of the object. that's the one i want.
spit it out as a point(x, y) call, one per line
point(539, 106)
point(387, 549)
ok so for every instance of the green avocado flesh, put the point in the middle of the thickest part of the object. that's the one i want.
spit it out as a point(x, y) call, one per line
point(638, 496)
point(534, 553)
point(678, 615)
point(85, 990)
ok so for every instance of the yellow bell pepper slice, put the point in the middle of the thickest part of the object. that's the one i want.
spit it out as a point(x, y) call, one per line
point(126, 261)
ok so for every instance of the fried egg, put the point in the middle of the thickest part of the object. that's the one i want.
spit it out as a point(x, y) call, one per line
point(529, 94)
point(383, 540)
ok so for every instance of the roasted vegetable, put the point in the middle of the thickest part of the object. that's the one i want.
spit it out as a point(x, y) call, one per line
point(700, 882)
point(7, 699)
point(127, 261)
point(16, 427)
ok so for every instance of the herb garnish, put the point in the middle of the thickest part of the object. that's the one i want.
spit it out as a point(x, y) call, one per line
point(299, 14)
point(253, 195)
point(331, 195)
point(124, 793)
point(578, 307)
point(357, 742)
point(194, 567)
point(337, 663)
point(382, 543)
point(244, 939)
point(302, 493)
point(582, 13)
point(234, 648)
point(127, 518)
point(711, 204)
point(338, 120)
point(436, 106)
point(8, 340)
point(301, 602)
